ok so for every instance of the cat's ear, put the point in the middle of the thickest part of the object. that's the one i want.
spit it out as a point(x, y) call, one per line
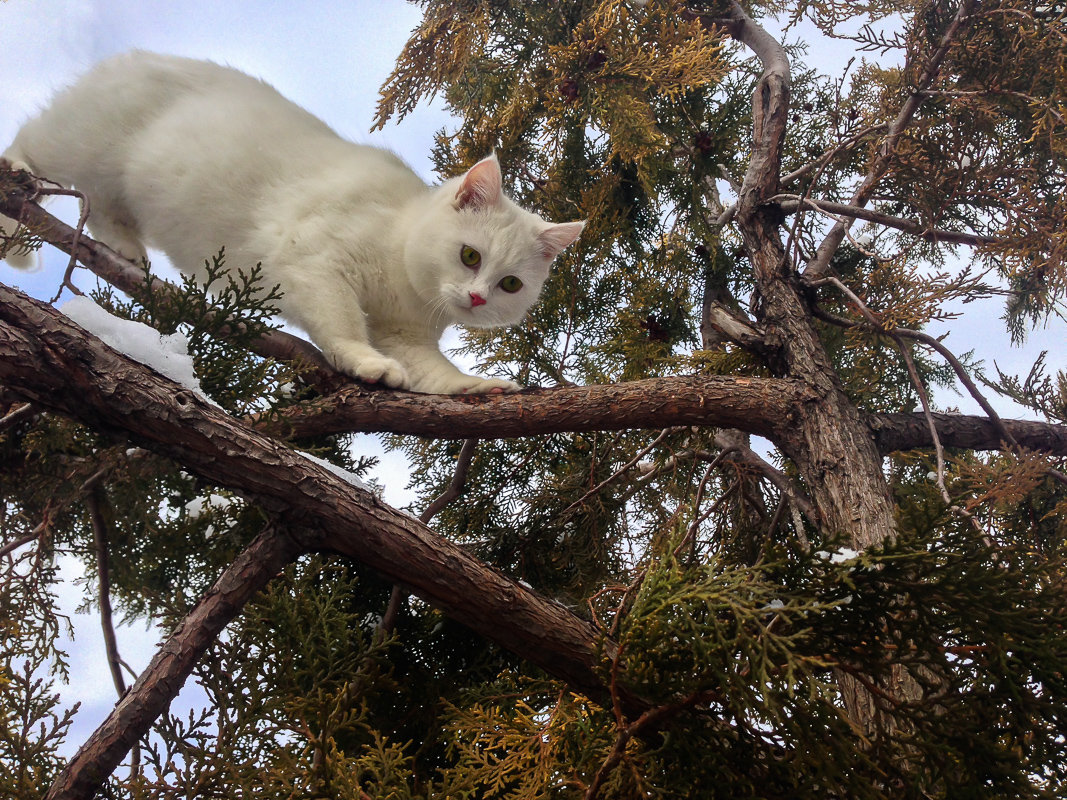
point(553, 239)
point(481, 186)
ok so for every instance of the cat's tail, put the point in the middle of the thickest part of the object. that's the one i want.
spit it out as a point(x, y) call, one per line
point(13, 252)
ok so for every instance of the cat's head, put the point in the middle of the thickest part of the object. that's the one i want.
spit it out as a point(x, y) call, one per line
point(481, 260)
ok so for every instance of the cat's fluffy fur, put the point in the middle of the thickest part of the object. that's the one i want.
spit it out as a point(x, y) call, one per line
point(189, 157)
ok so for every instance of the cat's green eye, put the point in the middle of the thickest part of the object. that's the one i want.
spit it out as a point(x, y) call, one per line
point(510, 283)
point(470, 257)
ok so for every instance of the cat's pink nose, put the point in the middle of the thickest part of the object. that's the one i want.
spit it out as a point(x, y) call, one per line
point(477, 300)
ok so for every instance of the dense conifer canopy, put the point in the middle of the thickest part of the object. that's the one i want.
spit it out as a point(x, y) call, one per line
point(620, 592)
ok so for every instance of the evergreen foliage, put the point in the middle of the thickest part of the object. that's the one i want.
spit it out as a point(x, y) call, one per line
point(735, 614)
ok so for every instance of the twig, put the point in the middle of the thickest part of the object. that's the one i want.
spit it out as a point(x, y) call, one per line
point(828, 156)
point(103, 569)
point(790, 203)
point(129, 277)
point(939, 451)
point(12, 417)
point(930, 342)
point(641, 454)
point(627, 732)
point(459, 478)
point(694, 526)
point(15, 544)
point(79, 230)
point(103, 573)
point(777, 478)
point(455, 487)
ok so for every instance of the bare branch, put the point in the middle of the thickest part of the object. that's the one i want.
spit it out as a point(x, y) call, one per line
point(749, 458)
point(13, 417)
point(459, 477)
point(47, 359)
point(103, 574)
point(770, 106)
point(790, 203)
point(756, 405)
point(15, 544)
point(929, 341)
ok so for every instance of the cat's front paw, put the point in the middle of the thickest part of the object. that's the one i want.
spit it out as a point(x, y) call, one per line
point(491, 386)
point(372, 368)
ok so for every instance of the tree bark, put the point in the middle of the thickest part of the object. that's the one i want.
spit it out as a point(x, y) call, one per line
point(834, 451)
point(757, 405)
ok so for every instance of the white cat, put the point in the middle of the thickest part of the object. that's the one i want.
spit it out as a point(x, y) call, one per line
point(189, 157)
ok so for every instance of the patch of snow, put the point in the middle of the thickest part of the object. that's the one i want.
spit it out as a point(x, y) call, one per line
point(841, 556)
point(340, 472)
point(167, 355)
point(213, 502)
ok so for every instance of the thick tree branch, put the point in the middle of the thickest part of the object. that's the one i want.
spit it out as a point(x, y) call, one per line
point(46, 357)
point(48, 360)
point(770, 105)
point(897, 432)
point(756, 405)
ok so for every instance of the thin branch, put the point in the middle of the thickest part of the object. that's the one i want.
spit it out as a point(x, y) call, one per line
point(653, 716)
point(698, 517)
point(924, 399)
point(830, 154)
point(16, 202)
point(13, 417)
point(79, 230)
point(791, 203)
point(103, 574)
point(751, 459)
point(611, 478)
point(957, 367)
point(15, 544)
point(103, 571)
point(455, 487)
